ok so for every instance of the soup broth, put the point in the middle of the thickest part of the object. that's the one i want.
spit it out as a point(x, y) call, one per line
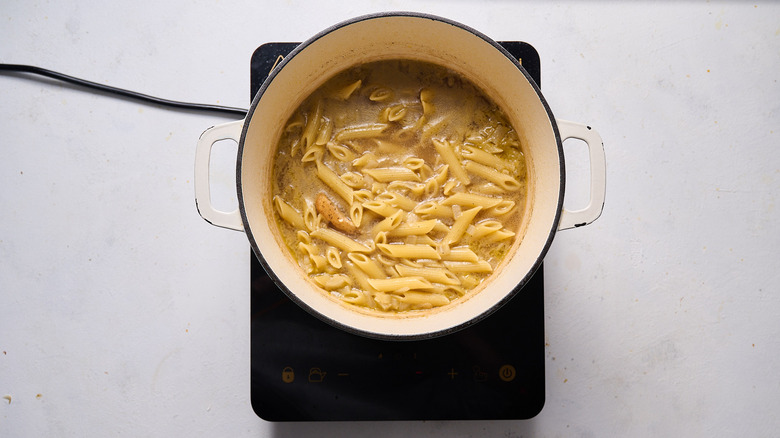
point(398, 186)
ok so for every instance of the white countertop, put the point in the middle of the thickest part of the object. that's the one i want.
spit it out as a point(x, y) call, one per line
point(123, 312)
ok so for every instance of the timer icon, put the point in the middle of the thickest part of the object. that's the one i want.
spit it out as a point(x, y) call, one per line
point(507, 373)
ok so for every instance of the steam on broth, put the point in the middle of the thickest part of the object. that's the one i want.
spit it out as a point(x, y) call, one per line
point(398, 185)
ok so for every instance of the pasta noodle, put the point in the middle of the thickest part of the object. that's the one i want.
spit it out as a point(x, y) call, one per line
point(398, 186)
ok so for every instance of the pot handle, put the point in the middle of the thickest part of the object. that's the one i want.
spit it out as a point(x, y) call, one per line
point(225, 131)
point(598, 175)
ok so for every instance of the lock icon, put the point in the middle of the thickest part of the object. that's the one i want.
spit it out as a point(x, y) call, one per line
point(288, 375)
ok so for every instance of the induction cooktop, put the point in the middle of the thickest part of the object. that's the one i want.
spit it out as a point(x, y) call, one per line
point(303, 369)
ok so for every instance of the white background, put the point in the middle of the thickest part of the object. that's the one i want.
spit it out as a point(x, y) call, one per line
point(122, 312)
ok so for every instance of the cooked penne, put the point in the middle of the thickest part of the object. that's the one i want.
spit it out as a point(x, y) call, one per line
point(426, 98)
point(311, 128)
point(471, 200)
point(485, 158)
point(413, 229)
point(462, 222)
point(353, 179)
point(332, 282)
point(433, 209)
point(340, 152)
point(447, 154)
point(367, 265)
point(381, 95)
point(361, 131)
point(339, 240)
point(399, 284)
point(389, 223)
point(346, 92)
point(480, 266)
point(288, 213)
point(388, 174)
point(357, 297)
point(360, 276)
point(484, 228)
point(313, 154)
point(502, 180)
point(334, 257)
point(433, 275)
point(333, 181)
point(499, 235)
point(367, 160)
point(356, 214)
point(397, 200)
point(409, 251)
point(460, 254)
point(324, 132)
point(502, 208)
point(423, 300)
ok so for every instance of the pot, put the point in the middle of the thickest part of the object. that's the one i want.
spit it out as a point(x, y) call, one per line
point(410, 36)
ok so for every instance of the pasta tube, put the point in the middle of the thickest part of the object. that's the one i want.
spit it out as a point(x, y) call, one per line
point(448, 156)
point(502, 180)
point(339, 240)
point(462, 222)
point(288, 213)
point(409, 251)
point(333, 181)
point(399, 284)
point(435, 275)
point(388, 174)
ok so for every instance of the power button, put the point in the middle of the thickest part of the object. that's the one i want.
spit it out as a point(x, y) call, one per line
point(507, 373)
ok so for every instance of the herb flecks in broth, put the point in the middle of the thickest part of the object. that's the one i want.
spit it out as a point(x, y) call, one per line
point(398, 186)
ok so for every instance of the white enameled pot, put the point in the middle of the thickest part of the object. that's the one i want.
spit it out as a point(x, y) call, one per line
point(402, 36)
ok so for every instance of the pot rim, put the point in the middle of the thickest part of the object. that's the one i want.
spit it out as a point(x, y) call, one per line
point(338, 324)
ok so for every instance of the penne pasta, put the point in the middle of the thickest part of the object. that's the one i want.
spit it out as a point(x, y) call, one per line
point(502, 180)
point(289, 214)
point(388, 174)
point(485, 158)
point(367, 265)
point(333, 181)
point(433, 209)
point(498, 235)
point(381, 208)
point(484, 228)
point(434, 275)
point(471, 200)
point(340, 152)
point(380, 95)
point(389, 223)
point(413, 229)
point(397, 200)
point(458, 228)
point(460, 254)
point(399, 284)
point(347, 91)
point(409, 251)
point(324, 131)
point(361, 131)
point(332, 282)
point(480, 266)
point(423, 300)
point(334, 257)
point(447, 154)
point(339, 240)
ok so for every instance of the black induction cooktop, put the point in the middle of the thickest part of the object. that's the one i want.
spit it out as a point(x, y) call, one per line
point(303, 369)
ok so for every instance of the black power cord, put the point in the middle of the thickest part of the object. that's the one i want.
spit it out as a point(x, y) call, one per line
point(20, 68)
